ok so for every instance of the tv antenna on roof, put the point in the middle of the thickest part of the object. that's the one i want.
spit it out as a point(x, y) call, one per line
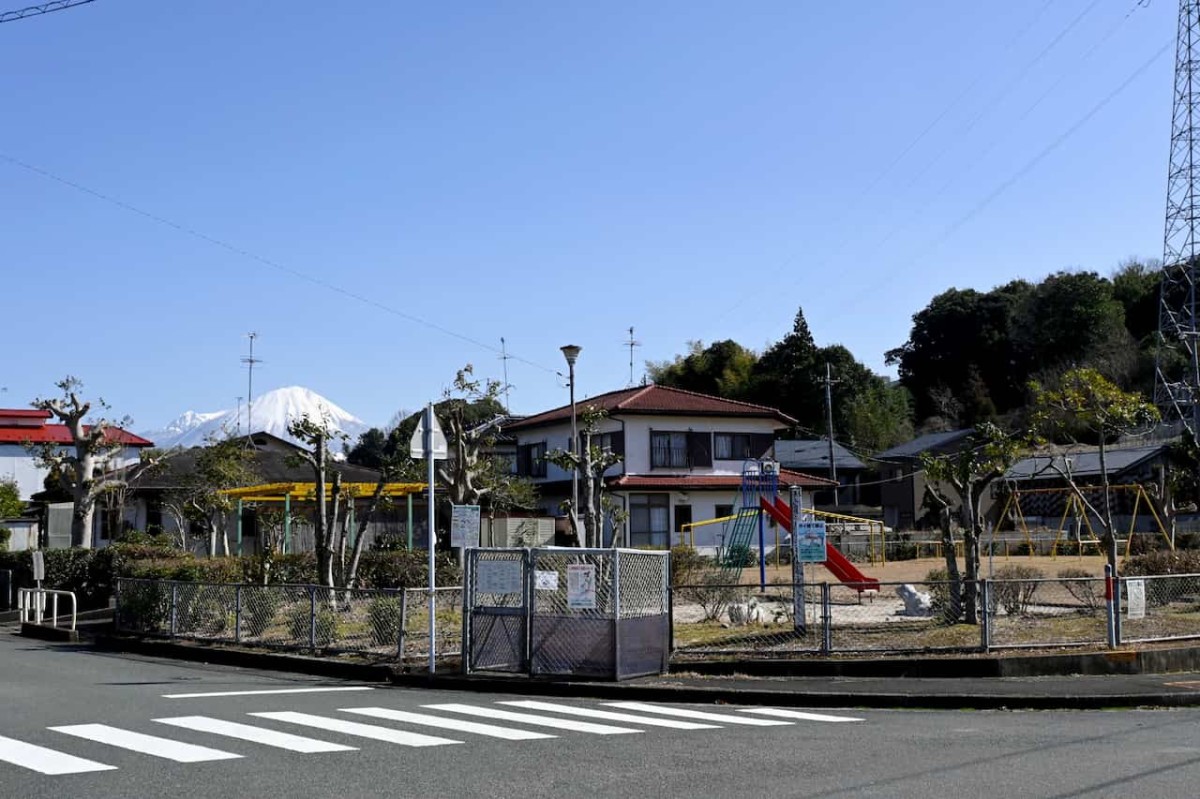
point(504, 358)
point(632, 343)
point(250, 360)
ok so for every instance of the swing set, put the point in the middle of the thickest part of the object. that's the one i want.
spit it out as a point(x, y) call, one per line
point(1076, 509)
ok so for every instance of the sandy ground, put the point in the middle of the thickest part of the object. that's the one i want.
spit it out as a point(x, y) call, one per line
point(903, 571)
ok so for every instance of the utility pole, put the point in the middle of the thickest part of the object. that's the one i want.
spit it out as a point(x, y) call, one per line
point(829, 381)
point(504, 358)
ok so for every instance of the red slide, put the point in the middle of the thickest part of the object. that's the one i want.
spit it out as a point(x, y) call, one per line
point(835, 561)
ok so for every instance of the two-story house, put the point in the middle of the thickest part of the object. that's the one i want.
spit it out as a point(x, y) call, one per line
point(22, 428)
point(682, 458)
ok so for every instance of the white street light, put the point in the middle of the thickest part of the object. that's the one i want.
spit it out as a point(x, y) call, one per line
point(571, 353)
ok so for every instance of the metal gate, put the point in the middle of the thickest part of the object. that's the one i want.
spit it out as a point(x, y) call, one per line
point(496, 605)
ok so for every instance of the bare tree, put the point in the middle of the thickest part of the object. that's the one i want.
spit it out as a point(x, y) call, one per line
point(591, 462)
point(78, 469)
point(316, 433)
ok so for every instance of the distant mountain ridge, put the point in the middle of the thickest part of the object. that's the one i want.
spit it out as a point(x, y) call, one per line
point(272, 412)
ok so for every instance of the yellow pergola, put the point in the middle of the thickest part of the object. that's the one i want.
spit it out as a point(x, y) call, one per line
point(305, 492)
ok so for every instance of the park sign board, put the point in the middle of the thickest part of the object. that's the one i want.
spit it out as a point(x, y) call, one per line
point(808, 541)
point(464, 526)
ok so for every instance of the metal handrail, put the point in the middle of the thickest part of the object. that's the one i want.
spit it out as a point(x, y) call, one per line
point(31, 602)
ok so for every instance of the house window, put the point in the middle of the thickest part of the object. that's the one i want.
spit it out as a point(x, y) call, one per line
point(721, 511)
point(531, 460)
point(649, 520)
point(668, 450)
point(731, 446)
point(739, 446)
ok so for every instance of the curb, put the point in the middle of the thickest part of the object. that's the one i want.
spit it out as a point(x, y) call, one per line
point(41, 631)
point(661, 692)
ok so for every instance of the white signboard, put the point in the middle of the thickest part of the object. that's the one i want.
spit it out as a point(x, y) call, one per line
point(1135, 598)
point(464, 526)
point(39, 565)
point(808, 541)
point(418, 443)
point(581, 586)
point(498, 577)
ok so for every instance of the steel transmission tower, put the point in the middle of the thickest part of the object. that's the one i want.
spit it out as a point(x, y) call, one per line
point(1177, 362)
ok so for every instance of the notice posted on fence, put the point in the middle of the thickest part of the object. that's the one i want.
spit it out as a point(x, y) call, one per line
point(808, 540)
point(581, 586)
point(498, 577)
point(545, 580)
point(1135, 598)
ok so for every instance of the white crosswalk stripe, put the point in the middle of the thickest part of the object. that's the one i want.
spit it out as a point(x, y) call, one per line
point(537, 721)
point(608, 715)
point(261, 735)
point(355, 728)
point(146, 744)
point(46, 761)
point(458, 725)
point(795, 714)
point(723, 718)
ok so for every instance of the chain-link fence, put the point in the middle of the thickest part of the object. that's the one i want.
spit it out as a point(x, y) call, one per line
point(392, 625)
point(1160, 608)
point(581, 612)
point(713, 618)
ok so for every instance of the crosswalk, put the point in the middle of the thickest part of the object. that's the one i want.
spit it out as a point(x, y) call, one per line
point(454, 723)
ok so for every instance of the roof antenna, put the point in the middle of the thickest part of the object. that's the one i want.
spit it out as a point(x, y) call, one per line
point(250, 360)
point(504, 358)
point(632, 343)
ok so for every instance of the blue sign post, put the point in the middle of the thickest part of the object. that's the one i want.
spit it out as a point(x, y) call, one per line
point(808, 540)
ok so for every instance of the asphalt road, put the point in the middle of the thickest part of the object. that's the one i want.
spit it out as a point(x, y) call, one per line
point(99, 719)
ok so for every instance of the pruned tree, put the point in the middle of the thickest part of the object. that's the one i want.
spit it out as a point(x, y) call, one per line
point(459, 412)
point(77, 469)
point(591, 461)
point(968, 474)
point(317, 434)
point(1087, 405)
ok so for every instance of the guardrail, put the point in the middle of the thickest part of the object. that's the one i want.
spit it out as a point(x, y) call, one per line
point(31, 602)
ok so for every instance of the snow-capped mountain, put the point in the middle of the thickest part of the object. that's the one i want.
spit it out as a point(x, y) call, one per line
point(272, 412)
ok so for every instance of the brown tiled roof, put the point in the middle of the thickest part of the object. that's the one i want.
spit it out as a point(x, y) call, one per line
point(656, 400)
point(700, 482)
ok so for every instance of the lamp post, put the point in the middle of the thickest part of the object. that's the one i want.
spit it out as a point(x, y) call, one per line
point(571, 353)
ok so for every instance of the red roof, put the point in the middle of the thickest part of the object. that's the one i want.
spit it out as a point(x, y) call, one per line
point(24, 413)
point(712, 482)
point(660, 400)
point(58, 434)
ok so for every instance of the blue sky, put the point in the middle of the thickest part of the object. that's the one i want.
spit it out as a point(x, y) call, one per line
point(545, 172)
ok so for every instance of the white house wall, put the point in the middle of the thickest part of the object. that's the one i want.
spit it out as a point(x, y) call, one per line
point(18, 464)
point(637, 439)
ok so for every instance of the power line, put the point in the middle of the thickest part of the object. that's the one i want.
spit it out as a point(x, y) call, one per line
point(44, 8)
point(316, 281)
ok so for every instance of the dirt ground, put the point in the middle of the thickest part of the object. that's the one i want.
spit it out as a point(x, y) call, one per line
point(903, 571)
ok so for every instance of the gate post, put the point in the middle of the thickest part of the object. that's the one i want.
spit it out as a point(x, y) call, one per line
point(616, 604)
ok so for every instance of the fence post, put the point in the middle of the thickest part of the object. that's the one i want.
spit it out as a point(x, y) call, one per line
point(403, 624)
point(237, 615)
point(117, 604)
point(174, 598)
point(529, 564)
point(312, 617)
point(616, 589)
point(985, 615)
point(468, 561)
point(1110, 622)
point(826, 620)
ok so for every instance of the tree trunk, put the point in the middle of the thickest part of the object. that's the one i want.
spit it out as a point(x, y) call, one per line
point(320, 530)
point(953, 612)
point(363, 523)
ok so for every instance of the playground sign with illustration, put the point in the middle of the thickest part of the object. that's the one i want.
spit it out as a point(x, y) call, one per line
point(808, 541)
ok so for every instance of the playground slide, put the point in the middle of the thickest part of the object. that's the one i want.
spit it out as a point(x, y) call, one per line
point(837, 563)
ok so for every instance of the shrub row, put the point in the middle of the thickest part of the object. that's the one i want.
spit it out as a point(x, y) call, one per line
point(91, 573)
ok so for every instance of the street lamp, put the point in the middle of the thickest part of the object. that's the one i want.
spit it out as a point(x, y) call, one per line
point(571, 353)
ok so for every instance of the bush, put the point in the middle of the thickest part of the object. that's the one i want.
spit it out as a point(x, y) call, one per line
point(687, 565)
point(1161, 562)
point(937, 583)
point(384, 618)
point(1014, 587)
point(145, 607)
point(5, 538)
point(1089, 594)
point(259, 607)
point(406, 569)
point(300, 623)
